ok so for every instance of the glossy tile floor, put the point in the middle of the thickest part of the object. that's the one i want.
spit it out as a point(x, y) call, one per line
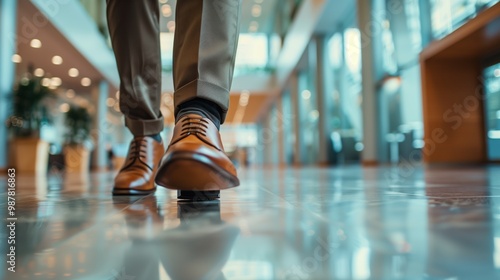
point(339, 223)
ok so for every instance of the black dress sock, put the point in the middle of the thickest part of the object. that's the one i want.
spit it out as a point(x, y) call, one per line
point(202, 107)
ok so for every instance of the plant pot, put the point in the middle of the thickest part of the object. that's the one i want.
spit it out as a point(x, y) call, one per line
point(76, 159)
point(31, 156)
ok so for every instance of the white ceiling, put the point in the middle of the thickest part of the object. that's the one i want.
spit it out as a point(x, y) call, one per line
point(54, 43)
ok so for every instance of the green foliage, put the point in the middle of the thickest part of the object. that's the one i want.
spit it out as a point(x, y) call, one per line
point(78, 122)
point(30, 114)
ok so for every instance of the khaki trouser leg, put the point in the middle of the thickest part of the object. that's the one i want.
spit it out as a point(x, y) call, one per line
point(134, 29)
point(206, 37)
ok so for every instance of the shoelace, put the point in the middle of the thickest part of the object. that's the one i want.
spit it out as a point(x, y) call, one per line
point(194, 126)
point(138, 149)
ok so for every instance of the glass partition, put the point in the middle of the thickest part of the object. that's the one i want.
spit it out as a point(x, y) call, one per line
point(448, 15)
point(492, 110)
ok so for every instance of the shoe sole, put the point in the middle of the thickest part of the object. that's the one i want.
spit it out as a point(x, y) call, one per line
point(198, 195)
point(132, 192)
point(194, 172)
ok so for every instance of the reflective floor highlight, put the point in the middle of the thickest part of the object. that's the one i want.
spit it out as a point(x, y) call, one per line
point(309, 223)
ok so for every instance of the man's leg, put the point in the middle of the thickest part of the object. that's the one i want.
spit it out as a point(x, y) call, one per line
point(134, 29)
point(206, 38)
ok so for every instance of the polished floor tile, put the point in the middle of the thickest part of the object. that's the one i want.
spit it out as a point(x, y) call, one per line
point(309, 223)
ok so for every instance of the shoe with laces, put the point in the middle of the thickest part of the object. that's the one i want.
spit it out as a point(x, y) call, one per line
point(137, 174)
point(195, 160)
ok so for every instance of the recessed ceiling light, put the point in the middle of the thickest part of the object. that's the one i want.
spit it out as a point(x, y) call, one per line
point(39, 72)
point(171, 26)
point(166, 10)
point(55, 81)
point(244, 98)
point(314, 114)
point(86, 82)
point(64, 108)
point(57, 60)
point(254, 26)
point(163, 1)
point(110, 102)
point(45, 82)
point(256, 10)
point(35, 43)
point(306, 94)
point(497, 73)
point(16, 58)
point(73, 72)
point(70, 93)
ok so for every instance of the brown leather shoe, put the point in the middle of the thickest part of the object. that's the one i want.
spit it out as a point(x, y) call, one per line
point(195, 159)
point(137, 174)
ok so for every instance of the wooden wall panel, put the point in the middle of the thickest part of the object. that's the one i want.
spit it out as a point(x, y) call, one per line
point(453, 113)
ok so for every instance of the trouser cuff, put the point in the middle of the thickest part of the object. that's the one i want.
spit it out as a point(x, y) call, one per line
point(205, 90)
point(144, 127)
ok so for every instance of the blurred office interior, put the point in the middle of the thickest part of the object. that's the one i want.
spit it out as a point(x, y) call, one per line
point(334, 103)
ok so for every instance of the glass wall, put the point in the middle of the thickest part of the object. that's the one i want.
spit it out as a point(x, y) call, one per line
point(448, 15)
point(400, 92)
point(308, 116)
point(492, 110)
point(344, 119)
point(403, 28)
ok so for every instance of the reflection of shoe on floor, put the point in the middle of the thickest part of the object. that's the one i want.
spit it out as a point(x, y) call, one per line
point(141, 215)
point(195, 159)
point(200, 247)
point(137, 174)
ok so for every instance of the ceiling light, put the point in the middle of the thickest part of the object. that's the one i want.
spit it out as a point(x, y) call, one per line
point(171, 26)
point(55, 81)
point(35, 43)
point(386, 24)
point(16, 58)
point(45, 82)
point(64, 108)
point(163, 1)
point(39, 72)
point(314, 114)
point(306, 94)
point(254, 26)
point(166, 10)
point(70, 93)
point(57, 60)
point(244, 97)
point(497, 73)
point(86, 82)
point(73, 72)
point(110, 102)
point(256, 10)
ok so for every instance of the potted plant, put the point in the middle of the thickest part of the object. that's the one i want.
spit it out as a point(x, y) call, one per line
point(76, 152)
point(29, 115)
